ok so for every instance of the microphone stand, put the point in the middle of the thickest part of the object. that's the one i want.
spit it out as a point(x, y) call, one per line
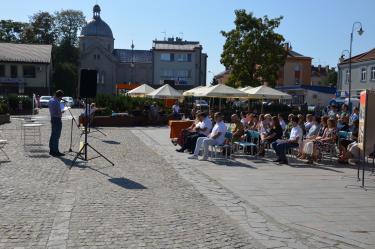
point(83, 149)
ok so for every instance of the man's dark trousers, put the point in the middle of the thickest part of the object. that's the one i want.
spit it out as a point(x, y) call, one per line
point(55, 135)
point(281, 149)
point(192, 141)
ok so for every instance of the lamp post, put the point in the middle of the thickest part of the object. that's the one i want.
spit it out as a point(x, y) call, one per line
point(132, 63)
point(346, 79)
point(360, 31)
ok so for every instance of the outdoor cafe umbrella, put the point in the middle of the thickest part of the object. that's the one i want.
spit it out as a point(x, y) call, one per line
point(194, 91)
point(243, 89)
point(165, 92)
point(221, 91)
point(265, 92)
point(141, 90)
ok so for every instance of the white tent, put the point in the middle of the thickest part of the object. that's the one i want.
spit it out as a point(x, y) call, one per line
point(142, 90)
point(265, 92)
point(165, 92)
point(244, 89)
point(221, 91)
point(194, 91)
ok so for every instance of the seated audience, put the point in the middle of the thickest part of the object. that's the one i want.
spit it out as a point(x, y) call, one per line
point(343, 124)
point(308, 123)
point(344, 143)
point(274, 134)
point(281, 146)
point(216, 137)
point(282, 122)
point(236, 128)
point(325, 142)
point(201, 129)
point(354, 116)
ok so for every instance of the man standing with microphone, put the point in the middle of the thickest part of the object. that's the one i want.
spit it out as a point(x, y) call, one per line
point(56, 114)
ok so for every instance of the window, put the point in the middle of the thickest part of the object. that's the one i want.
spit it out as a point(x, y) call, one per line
point(165, 57)
point(102, 78)
point(29, 71)
point(2, 70)
point(183, 73)
point(372, 73)
point(363, 74)
point(347, 76)
point(189, 57)
point(13, 71)
point(167, 73)
point(182, 57)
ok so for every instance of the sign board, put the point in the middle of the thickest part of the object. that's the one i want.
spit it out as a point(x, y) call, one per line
point(366, 133)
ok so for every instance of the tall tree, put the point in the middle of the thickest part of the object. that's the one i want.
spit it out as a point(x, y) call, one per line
point(11, 31)
point(253, 51)
point(65, 77)
point(43, 28)
point(69, 22)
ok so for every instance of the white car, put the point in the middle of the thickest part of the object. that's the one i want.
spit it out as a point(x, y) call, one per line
point(43, 101)
point(68, 101)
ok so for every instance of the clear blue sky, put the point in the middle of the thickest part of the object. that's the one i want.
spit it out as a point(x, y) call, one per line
point(318, 28)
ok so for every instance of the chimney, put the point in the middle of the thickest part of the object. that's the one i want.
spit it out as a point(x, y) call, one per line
point(286, 46)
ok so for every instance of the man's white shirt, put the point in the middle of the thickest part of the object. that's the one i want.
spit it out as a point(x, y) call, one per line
point(219, 127)
point(206, 123)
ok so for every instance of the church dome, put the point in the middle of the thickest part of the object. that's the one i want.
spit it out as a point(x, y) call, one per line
point(97, 27)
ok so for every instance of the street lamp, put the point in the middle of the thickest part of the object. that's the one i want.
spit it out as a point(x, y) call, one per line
point(360, 31)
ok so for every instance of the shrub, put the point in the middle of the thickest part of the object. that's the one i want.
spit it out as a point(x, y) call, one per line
point(123, 103)
point(3, 106)
point(13, 101)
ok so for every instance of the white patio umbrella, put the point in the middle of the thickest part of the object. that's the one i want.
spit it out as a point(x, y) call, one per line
point(244, 89)
point(221, 91)
point(194, 91)
point(265, 92)
point(141, 91)
point(165, 92)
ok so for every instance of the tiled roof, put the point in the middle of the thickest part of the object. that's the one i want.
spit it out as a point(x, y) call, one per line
point(292, 53)
point(12, 52)
point(367, 56)
point(136, 56)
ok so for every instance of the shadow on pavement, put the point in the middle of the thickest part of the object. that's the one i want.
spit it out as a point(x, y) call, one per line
point(126, 183)
point(110, 142)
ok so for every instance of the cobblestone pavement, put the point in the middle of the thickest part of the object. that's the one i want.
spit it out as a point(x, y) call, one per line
point(270, 232)
point(142, 202)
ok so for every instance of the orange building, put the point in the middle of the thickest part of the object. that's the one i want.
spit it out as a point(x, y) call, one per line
point(296, 70)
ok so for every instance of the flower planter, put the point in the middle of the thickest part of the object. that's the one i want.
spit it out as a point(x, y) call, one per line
point(4, 118)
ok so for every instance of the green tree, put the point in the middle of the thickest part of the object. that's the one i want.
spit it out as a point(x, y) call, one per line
point(11, 31)
point(68, 23)
point(65, 77)
point(331, 79)
point(253, 50)
point(42, 28)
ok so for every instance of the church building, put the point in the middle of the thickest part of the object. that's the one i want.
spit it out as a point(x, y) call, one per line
point(179, 63)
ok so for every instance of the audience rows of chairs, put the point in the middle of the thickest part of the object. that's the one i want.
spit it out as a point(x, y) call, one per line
point(309, 138)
